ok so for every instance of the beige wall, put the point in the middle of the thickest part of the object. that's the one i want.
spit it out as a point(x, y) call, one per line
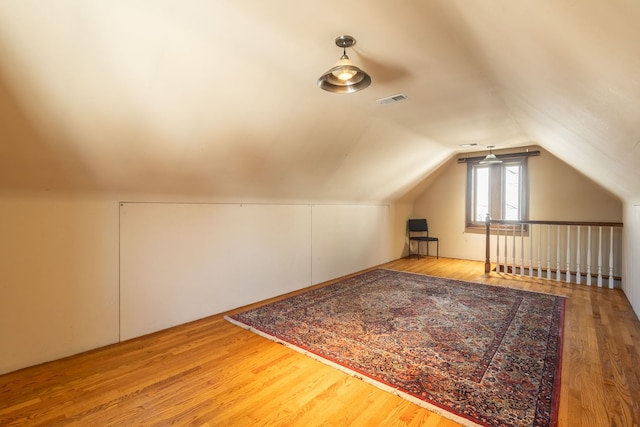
point(557, 192)
point(560, 192)
point(72, 268)
point(58, 277)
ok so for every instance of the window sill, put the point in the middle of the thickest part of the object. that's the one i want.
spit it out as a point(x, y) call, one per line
point(475, 229)
point(482, 229)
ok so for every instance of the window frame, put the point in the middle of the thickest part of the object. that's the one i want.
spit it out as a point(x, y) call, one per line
point(497, 173)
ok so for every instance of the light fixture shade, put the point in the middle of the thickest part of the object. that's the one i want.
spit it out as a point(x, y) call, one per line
point(491, 158)
point(344, 77)
point(330, 81)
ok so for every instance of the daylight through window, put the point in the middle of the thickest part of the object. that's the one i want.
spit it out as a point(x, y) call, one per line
point(499, 190)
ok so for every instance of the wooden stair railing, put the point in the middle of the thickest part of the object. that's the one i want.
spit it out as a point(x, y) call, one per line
point(556, 250)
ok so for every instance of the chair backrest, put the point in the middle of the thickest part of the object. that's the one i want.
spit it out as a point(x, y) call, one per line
point(418, 225)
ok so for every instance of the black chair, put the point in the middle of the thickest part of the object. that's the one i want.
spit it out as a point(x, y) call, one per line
point(418, 231)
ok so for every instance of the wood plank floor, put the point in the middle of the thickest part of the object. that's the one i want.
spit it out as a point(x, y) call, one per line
point(211, 373)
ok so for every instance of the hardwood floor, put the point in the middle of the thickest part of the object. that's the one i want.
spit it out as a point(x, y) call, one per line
point(211, 373)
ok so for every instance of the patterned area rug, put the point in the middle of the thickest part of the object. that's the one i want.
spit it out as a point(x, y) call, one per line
point(477, 354)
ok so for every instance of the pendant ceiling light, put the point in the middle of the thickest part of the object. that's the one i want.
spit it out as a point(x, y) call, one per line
point(491, 158)
point(344, 77)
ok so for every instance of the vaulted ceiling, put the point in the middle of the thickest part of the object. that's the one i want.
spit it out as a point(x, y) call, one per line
point(218, 98)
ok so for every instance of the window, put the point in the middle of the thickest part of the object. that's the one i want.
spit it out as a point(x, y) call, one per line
point(499, 190)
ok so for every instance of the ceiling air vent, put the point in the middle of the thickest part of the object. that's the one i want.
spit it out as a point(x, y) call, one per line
point(393, 98)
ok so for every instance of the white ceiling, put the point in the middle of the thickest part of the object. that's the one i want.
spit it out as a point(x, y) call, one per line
point(218, 98)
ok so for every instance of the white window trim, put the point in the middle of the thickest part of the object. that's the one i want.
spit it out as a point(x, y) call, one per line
point(471, 224)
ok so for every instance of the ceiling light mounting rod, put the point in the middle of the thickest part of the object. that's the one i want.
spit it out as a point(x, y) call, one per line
point(344, 77)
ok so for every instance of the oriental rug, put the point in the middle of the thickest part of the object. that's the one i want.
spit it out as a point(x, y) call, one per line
point(477, 354)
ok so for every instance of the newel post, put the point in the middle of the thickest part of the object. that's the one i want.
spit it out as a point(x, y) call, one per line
point(487, 261)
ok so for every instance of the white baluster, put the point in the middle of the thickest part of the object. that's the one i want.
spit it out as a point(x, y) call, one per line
point(530, 250)
point(514, 268)
point(549, 251)
point(498, 248)
point(611, 258)
point(558, 273)
point(539, 250)
point(522, 249)
point(599, 257)
point(568, 274)
point(589, 256)
point(578, 258)
point(506, 249)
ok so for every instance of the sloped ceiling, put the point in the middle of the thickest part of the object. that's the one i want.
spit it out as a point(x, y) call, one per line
point(218, 99)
